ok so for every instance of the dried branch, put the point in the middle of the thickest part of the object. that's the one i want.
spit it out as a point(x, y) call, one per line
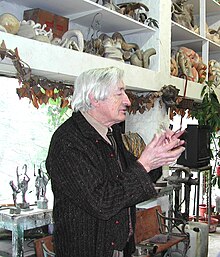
point(39, 90)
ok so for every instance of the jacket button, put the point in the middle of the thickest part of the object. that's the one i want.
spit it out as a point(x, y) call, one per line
point(117, 222)
point(112, 243)
point(112, 155)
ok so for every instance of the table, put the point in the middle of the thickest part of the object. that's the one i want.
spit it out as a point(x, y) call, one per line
point(164, 199)
point(18, 223)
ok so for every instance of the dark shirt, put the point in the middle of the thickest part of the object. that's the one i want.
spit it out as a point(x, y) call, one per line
point(92, 195)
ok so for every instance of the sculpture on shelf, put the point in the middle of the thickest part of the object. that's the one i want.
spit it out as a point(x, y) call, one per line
point(72, 39)
point(137, 11)
point(134, 10)
point(142, 58)
point(120, 43)
point(9, 23)
point(15, 192)
point(190, 64)
point(173, 67)
point(213, 34)
point(115, 47)
point(182, 13)
point(36, 31)
point(110, 4)
point(214, 72)
point(112, 49)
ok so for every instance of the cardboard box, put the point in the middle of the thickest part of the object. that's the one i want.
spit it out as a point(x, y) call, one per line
point(58, 24)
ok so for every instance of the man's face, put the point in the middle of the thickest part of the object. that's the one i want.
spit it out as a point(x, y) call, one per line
point(113, 109)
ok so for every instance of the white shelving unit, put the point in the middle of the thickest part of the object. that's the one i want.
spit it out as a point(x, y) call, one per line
point(57, 63)
point(205, 13)
point(182, 36)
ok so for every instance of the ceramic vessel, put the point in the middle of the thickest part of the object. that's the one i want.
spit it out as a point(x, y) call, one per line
point(203, 209)
point(213, 223)
point(27, 29)
point(10, 23)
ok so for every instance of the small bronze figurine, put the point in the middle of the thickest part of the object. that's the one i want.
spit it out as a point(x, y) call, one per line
point(23, 184)
point(40, 184)
point(15, 192)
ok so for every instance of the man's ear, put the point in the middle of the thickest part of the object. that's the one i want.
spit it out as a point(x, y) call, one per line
point(93, 101)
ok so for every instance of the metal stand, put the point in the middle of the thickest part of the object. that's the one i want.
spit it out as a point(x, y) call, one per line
point(176, 179)
point(182, 176)
point(208, 191)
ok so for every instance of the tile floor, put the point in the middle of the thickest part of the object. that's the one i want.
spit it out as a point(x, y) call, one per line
point(214, 243)
point(5, 246)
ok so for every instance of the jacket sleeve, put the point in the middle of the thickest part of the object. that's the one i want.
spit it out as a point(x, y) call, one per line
point(155, 174)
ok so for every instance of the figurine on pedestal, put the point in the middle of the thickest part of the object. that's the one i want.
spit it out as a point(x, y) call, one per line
point(15, 192)
point(16, 209)
point(41, 184)
point(23, 187)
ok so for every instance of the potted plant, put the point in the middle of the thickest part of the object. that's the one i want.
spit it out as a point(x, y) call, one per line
point(208, 113)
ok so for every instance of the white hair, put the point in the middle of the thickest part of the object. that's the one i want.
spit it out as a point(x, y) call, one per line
point(99, 82)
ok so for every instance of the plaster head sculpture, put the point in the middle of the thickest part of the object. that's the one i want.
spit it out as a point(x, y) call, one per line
point(10, 23)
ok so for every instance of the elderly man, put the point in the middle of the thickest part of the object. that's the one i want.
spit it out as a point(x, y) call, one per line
point(96, 182)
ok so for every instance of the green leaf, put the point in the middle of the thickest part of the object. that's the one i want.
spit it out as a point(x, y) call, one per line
point(203, 91)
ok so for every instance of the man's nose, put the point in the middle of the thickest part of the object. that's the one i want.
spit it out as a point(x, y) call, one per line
point(126, 100)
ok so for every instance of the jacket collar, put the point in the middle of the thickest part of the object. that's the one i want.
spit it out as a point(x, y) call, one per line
point(87, 129)
point(84, 126)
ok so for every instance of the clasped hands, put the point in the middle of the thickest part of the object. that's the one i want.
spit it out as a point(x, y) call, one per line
point(163, 149)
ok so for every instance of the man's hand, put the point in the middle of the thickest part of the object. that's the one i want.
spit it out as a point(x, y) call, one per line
point(169, 134)
point(163, 150)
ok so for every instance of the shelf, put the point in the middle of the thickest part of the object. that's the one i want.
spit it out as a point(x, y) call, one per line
point(60, 64)
point(68, 7)
point(211, 6)
point(193, 89)
point(196, 5)
point(182, 36)
point(110, 21)
point(83, 12)
point(39, 56)
point(214, 47)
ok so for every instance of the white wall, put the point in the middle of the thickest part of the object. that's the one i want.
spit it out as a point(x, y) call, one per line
point(24, 139)
point(148, 123)
point(25, 136)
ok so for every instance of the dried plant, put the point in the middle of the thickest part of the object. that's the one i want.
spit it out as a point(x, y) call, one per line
point(38, 89)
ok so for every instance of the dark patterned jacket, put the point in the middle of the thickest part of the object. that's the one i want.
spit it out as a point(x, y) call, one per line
point(91, 193)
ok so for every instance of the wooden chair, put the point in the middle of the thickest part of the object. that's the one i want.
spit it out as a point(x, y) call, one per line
point(157, 234)
point(44, 247)
point(46, 251)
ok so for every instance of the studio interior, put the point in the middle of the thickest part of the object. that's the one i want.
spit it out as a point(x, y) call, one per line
point(170, 54)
